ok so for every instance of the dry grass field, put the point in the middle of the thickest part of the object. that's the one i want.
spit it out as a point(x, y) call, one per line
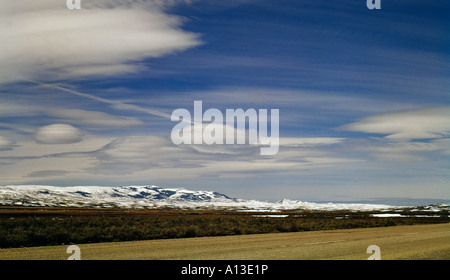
point(416, 242)
point(45, 233)
point(31, 227)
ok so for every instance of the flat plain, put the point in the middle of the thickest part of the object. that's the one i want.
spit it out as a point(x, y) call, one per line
point(411, 242)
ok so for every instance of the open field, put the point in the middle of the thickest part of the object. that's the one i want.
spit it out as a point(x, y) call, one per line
point(178, 234)
point(414, 242)
point(43, 226)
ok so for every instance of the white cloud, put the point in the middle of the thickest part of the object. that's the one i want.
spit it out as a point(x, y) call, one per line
point(141, 158)
point(309, 141)
point(160, 158)
point(149, 158)
point(444, 145)
point(425, 123)
point(403, 151)
point(95, 118)
point(5, 143)
point(114, 103)
point(46, 41)
point(58, 134)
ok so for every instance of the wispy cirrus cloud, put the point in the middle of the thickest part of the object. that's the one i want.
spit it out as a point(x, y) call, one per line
point(95, 118)
point(146, 158)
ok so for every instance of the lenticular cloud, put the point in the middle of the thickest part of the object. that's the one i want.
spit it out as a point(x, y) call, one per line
point(424, 123)
point(45, 40)
point(58, 134)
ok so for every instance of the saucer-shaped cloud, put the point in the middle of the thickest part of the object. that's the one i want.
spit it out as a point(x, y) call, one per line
point(44, 40)
point(58, 134)
point(424, 123)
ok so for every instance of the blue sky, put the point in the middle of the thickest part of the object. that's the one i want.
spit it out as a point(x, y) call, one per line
point(86, 95)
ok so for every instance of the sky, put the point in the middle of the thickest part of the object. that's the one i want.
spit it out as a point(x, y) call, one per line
point(86, 95)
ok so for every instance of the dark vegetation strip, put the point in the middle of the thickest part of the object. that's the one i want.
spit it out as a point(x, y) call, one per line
point(26, 227)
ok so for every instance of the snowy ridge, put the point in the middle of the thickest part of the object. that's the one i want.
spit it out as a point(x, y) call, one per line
point(153, 197)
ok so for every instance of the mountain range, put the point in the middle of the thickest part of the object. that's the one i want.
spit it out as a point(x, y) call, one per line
point(154, 197)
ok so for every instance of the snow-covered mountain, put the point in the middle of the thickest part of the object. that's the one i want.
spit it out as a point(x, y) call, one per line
point(94, 196)
point(152, 197)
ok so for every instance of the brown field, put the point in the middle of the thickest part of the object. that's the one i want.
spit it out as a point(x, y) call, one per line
point(416, 242)
point(45, 233)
